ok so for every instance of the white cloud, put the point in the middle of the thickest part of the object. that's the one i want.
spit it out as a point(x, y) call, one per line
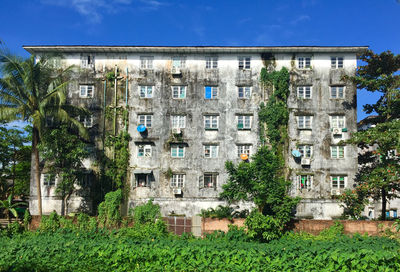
point(93, 10)
point(300, 19)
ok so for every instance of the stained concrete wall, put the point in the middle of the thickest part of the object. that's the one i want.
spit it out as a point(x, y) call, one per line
point(317, 202)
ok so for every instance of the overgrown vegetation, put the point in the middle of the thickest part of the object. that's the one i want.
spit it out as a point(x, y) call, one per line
point(262, 180)
point(222, 212)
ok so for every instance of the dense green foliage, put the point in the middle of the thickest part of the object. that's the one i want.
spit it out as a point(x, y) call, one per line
point(379, 175)
point(110, 209)
point(146, 213)
point(91, 252)
point(222, 212)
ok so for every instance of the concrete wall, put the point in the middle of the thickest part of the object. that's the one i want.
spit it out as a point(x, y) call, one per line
point(317, 201)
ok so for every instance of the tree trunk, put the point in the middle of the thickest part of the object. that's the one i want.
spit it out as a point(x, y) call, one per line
point(35, 141)
point(383, 204)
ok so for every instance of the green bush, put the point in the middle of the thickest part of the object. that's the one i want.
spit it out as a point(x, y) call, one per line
point(146, 213)
point(109, 209)
point(263, 227)
point(50, 223)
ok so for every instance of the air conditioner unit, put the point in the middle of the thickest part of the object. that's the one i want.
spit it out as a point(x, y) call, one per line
point(335, 192)
point(305, 161)
point(336, 131)
point(176, 131)
point(177, 191)
point(176, 71)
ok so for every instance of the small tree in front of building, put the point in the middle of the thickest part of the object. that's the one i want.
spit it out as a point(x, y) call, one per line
point(63, 152)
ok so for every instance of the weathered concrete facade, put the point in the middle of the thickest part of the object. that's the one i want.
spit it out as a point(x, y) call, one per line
point(200, 108)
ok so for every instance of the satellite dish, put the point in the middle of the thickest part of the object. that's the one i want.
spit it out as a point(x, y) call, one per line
point(244, 157)
point(141, 128)
point(296, 153)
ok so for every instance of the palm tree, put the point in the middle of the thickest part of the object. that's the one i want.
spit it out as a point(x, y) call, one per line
point(32, 90)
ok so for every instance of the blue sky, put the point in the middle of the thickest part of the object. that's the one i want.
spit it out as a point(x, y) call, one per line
point(203, 22)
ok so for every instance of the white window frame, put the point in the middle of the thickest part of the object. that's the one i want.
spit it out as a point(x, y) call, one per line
point(214, 92)
point(304, 62)
point(178, 180)
point(338, 185)
point(338, 121)
point(146, 91)
point(178, 62)
point(146, 62)
point(145, 119)
point(302, 92)
point(337, 62)
point(244, 92)
point(86, 91)
point(336, 93)
point(212, 180)
point(306, 151)
point(244, 62)
point(211, 62)
point(49, 180)
point(175, 151)
point(211, 122)
point(308, 185)
point(303, 123)
point(178, 121)
point(178, 92)
point(243, 149)
point(87, 121)
point(210, 151)
point(144, 150)
point(338, 151)
point(87, 61)
point(243, 122)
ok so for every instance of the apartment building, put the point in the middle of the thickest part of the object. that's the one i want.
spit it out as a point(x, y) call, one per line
point(193, 108)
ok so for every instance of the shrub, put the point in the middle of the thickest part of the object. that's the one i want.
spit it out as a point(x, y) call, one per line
point(49, 222)
point(146, 213)
point(109, 209)
point(263, 228)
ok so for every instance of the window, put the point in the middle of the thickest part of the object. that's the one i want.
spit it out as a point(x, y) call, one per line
point(179, 92)
point(211, 151)
point(87, 61)
point(304, 62)
point(210, 180)
point(145, 119)
point(304, 122)
point(177, 151)
point(146, 91)
point(178, 121)
point(178, 62)
point(210, 92)
point(338, 182)
point(244, 92)
point(304, 181)
point(304, 92)
point(338, 121)
point(178, 180)
point(146, 62)
point(244, 122)
point(337, 92)
point(337, 152)
point(244, 63)
point(336, 62)
point(85, 180)
point(144, 151)
point(49, 179)
point(87, 121)
point(86, 91)
point(211, 62)
point(142, 180)
point(211, 122)
point(243, 149)
point(306, 151)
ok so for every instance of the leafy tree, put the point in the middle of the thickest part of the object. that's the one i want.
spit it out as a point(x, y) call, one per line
point(15, 162)
point(261, 182)
point(63, 152)
point(379, 175)
point(34, 91)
